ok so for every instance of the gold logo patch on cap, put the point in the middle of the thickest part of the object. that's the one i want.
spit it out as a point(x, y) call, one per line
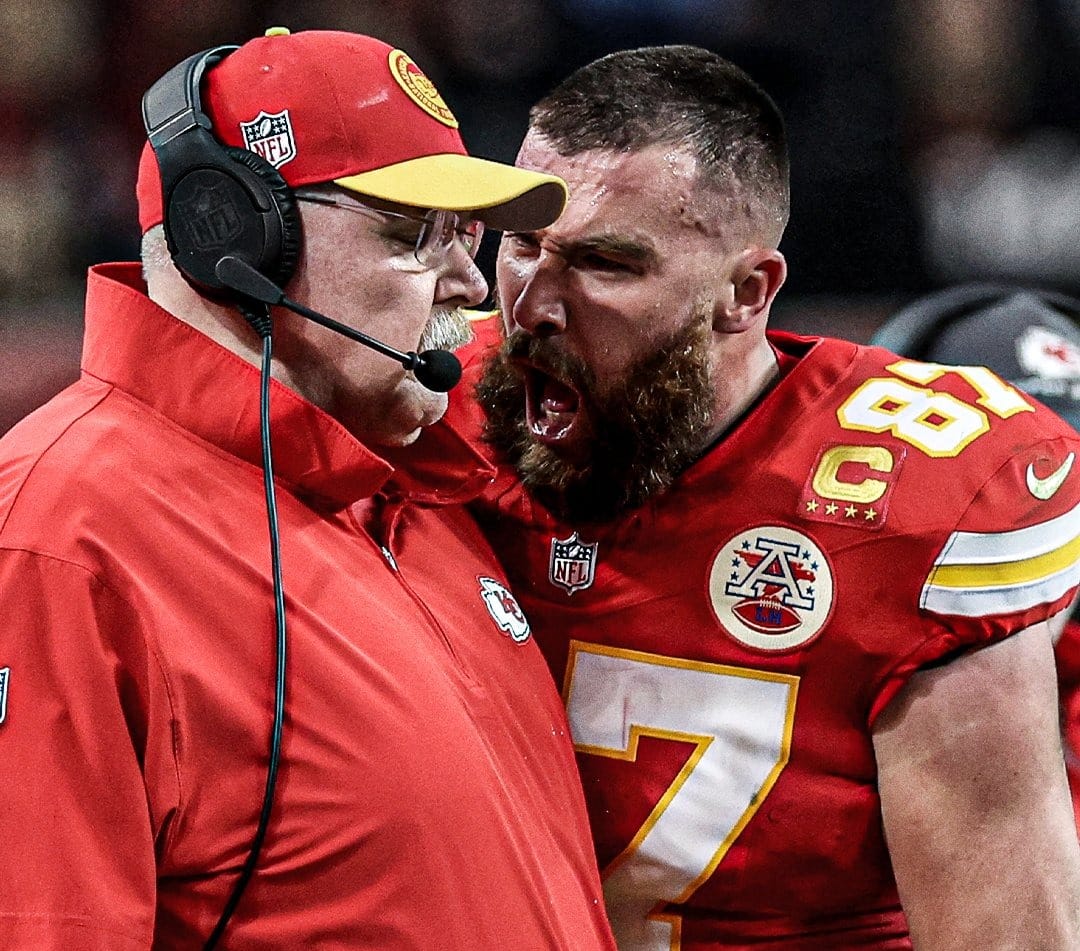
point(419, 88)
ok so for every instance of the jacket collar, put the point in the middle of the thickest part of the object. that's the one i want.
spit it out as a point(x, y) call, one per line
point(143, 350)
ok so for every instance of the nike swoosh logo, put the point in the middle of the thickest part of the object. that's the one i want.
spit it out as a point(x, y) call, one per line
point(1045, 488)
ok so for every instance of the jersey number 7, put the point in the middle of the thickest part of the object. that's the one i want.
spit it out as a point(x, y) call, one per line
point(740, 723)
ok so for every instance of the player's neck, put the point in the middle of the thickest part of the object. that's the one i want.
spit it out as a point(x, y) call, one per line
point(739, 391)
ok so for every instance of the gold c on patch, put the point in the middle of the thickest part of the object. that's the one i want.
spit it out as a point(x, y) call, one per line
point(851, 485)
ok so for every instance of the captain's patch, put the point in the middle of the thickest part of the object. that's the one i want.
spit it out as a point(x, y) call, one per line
point(851, 485)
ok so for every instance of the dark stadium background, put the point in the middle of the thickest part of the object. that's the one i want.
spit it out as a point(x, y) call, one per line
point(932, 141)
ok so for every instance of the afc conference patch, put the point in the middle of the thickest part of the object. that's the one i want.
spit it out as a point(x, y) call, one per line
point(771, 588)
point(5, 677)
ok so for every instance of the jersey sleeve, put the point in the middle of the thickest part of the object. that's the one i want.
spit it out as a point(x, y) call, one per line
point(1008, 557)
point(1014, 557)
point(78, 868)
point(1067, 657)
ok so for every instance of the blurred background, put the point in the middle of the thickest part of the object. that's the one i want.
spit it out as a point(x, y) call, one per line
point(932, 141)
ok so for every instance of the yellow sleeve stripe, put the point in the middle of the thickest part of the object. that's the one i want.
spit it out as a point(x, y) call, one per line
point(1004, 573)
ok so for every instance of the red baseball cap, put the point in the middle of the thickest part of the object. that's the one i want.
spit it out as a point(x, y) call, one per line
point(326, 106)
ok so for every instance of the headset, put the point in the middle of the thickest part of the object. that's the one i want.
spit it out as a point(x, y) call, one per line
point(218, 200)
point(913, 329)
point(231, 220)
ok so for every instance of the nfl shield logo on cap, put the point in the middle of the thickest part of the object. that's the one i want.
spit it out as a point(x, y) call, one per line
point(270, 136)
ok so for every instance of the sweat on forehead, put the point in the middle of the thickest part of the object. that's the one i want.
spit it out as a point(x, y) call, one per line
point(657, 180)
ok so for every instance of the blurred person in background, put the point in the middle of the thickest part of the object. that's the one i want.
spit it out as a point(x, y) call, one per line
point(799, 593)
point(402, 776)
point(1030, 338)
point(986, 92)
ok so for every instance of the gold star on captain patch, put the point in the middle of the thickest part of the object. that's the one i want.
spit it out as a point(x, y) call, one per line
point(870, 515)
point(811, 505)
point(832, 508)
point(851, 511)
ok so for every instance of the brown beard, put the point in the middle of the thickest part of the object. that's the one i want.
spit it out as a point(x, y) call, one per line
point(644, 431)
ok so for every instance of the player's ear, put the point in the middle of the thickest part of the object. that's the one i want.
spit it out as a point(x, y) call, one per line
point(756, 275)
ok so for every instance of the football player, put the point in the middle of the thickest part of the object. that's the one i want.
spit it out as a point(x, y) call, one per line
point(800, 594)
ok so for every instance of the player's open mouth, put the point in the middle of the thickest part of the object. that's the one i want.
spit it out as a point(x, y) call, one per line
point(551, 406)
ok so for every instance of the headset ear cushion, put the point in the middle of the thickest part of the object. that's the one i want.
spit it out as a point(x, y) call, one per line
point(278, 267)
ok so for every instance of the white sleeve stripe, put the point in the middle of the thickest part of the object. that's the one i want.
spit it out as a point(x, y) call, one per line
point(972, 548)
point(1005, 573)
point(985, 573)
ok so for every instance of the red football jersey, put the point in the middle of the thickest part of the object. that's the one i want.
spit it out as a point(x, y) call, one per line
point(725, 649)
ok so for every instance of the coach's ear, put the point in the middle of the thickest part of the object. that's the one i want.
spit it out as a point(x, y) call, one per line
point(756, 276)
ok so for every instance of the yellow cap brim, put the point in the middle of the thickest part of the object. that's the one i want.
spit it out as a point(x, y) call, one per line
point(504, 197)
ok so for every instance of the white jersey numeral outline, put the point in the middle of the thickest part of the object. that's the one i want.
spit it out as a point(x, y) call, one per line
point(740, 722)
point(934, 422)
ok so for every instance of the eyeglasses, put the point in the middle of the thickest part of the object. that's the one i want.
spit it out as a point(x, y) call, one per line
point(434, 236)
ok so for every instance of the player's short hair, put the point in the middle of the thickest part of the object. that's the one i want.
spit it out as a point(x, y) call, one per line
point(684, 95)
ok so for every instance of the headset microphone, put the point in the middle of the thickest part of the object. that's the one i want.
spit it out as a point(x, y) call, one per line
point(438, 370)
